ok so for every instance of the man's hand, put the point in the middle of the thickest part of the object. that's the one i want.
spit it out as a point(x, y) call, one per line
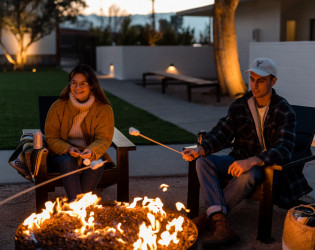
point(86, 153)
point(241, 166)
point(190, 154)
point(74, 152)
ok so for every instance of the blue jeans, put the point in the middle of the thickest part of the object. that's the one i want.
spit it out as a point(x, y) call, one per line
point(77, 183)
point(211, 170)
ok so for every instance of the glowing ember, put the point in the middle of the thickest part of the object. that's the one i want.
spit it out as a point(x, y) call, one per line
point(86, 224)
point(180, 206)
point(164, 187)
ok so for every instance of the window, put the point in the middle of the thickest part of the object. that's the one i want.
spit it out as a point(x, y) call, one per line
point(290, 30)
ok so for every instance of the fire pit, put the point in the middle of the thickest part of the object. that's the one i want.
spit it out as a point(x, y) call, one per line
point(89, 224)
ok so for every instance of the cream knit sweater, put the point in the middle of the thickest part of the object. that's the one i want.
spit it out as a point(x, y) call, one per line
point(76, 137)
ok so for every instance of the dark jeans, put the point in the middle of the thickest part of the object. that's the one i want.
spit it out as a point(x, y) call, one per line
point(77, 183)
point(211, 169)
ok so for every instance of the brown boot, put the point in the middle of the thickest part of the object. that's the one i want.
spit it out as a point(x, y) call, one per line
point(222, 233)
point(202, 223)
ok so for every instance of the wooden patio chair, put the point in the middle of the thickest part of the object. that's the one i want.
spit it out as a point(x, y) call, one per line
point(264, 193)
point(114, 174)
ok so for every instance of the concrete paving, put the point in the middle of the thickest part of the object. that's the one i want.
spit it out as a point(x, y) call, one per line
point(155, 160)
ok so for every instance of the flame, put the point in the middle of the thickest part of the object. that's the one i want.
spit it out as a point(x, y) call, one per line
point(154, 233)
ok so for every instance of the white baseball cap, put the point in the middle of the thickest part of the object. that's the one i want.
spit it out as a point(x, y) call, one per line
point(263, 66)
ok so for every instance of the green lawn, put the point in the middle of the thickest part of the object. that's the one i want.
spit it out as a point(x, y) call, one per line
point(19, 110)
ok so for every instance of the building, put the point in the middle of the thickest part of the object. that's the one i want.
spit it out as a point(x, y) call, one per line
point(283, 30)
point(267, 21)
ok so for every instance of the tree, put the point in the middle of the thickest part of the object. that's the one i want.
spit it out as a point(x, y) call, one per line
point(116, 17)
point(186, 36)
point(148, 36)
point(31, 20)
point(177, 22)
point(168, 34)
point(225, 48)
point(172, 33)
point(128, 35)
point(204, 38)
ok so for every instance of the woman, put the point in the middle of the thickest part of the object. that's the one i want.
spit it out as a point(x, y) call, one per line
point(79, 125)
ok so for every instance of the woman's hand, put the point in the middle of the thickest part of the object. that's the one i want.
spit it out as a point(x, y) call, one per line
point(74, 152)
point(86, 153)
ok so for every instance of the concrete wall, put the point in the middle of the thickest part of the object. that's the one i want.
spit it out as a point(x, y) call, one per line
point(302, 11)
point(131, 61)
point(269, 18)
point(296, 70)
point(262, 16)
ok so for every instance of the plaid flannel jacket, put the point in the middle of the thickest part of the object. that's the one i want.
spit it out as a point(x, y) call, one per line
point(279, 134)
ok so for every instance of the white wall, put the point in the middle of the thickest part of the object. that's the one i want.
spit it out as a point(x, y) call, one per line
point(131, 61)
point(263, 15)
point(45, 46)
point(296, 69)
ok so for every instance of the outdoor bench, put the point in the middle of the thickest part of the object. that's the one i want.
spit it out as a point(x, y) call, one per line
point(191, 82)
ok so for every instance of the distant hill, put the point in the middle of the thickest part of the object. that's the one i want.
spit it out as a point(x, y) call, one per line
point(85, 22)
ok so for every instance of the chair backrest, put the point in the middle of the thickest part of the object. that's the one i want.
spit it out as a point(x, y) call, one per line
point(305, 127)
point(44, 103)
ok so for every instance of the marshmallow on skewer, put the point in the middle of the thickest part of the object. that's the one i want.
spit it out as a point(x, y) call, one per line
point(133, 131)
point(97, 164)
point(86, 162)
point(136, 132)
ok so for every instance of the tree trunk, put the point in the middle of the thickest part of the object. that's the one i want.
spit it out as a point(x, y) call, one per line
point(225, 48)
point(20, 57)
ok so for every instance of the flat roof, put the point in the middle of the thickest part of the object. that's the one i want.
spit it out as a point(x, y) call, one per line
point(206, 10)
point(200, 11)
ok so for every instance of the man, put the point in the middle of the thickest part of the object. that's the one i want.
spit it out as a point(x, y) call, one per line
point(261, 126)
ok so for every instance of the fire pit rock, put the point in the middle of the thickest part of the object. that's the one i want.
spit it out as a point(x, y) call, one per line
point(112, 225)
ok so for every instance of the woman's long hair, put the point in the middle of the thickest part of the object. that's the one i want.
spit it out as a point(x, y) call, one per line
point(91, 78)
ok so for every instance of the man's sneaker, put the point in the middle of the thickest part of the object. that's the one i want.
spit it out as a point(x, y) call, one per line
point(21, 167)
point(222, 233)
point(202, 223)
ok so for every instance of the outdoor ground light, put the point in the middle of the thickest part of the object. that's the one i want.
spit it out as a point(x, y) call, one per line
point(111, 70)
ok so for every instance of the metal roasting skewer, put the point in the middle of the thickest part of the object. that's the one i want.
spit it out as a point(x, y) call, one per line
point(92, 166)
point(135, 132)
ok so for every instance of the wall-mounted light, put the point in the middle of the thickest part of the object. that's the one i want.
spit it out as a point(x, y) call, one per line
point(34, 70)
point(172, 69)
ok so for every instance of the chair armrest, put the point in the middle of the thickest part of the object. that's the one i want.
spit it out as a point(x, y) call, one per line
point(293, 164)
point(121, 141)
point(275, 167)
point(30, 131)
point(299, 162)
